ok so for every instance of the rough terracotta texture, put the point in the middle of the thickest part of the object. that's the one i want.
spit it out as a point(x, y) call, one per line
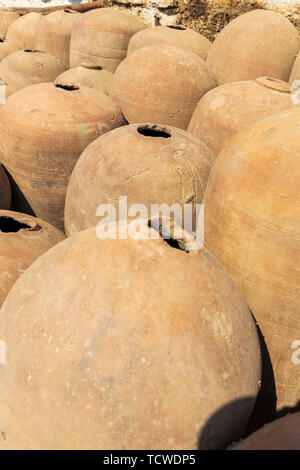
point(295, 73)
point(255, 44)
point(125, 355)
point(252, 226)
point(145, 88)
point(22, 32)
point(173, 35)
point(5, 190)
point(6, 48)
point(24, 68)
point(91, 76)
point(227, 109)
point(102, 36)
point(22, 239)
point(283, 434)
point(124, 162)
point(43, 130)
point(54, 34)
point(6, 18)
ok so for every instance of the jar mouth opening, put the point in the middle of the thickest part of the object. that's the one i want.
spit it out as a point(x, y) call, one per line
point(9, 224)
point(87, 65)
point(179, 28)
point(172, 233)
point(68, 10)
point(33, 50)
point(67, 86)
point(274, 83)
point(153, 131)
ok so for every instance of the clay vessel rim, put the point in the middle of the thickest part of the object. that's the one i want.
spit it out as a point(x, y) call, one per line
point(89, 65)
point(176, 27)
point(34, 51)
point(13, 224)
point(274, 83)
point(154, 131)
point(167, 231)
point(67, 86)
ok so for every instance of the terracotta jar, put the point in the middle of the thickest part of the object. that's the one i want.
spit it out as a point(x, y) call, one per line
point(295, 74)
point(173, 35)
point(251, 226)
point(90, 75)
point(24, 68)
point(43, 130)
point(228, 109)
point(282, 434)
point(145, 87)
point(6, 48)
point(5, 190)
point(102, 36)
point(124, 354)
point(6, 18)
point(172, 165)
point(258, 43)
point(22, 32)
point(22, 239)
point(54, 34)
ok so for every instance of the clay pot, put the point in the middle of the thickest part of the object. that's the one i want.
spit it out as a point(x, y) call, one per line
point(5, 190)
point(6, 18)
point(173, 35)
point(44, 129)
point(251, 226)
point(142, 85)
point(228, 109)
point(6, 48)
point(124, 354)
point(101, 36)
point(255, 44)
point(54, 34)
point(22, 32)
point(282, 434)
point(24, 68)
point(22, 239)
point(172, 165)
point(295, 74)
point(92, 76)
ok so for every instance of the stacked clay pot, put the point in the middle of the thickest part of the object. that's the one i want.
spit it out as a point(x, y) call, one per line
point(282, 434)
point(102, 36)
point(228, 109)
point(252, 225)
point(24, 68)
point(125, 354)
point(22, 239)
point(258, 43)
point(6, 18)
point(44, 129)
point(5, 190)
point(161, 84)
point(172, 165)
point(173, 35)
point(6, 48)
point(54, 34)
point(22, 32)
point(89, 75)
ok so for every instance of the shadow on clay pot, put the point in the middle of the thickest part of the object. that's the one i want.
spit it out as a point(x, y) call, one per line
point(19, 202)
point(265, 407)
point(208, 436)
